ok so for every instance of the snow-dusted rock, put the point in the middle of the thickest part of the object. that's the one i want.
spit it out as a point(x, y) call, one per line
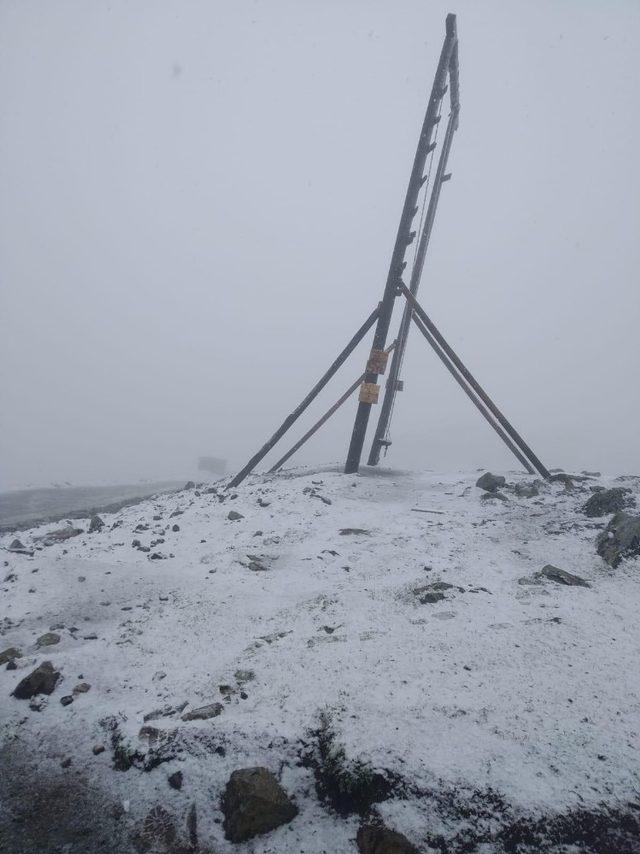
point(254, 803)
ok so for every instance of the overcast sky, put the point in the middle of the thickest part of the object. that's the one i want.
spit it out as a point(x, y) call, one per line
point(198, 203)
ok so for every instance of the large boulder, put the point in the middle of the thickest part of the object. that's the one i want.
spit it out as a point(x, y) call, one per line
point(620, 539)
point(490, 482)
point(561, 576)
point(374, 839)
point(254, 803)
point(42, 680)
point(608, 501)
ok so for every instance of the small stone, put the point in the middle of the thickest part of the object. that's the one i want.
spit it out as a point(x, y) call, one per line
point(242, 676)
point(66, 701)
point(9, 654)
point(561, 576)
point(204, 713)
point(234, 516)
point(48, 639)
point(345, 532)
point(42, 680)
point(15, 546)
point(490, 482)
point(66, 763)
point(175, 780)
point(98, 749)
point(59, 535)
point(254, 803)
point(526, 490)
point(96, 524)
point(175, 528)
point(490, 496)
point(135, 544)
point(189, 485)
point(157, 518)
point(82, 578)
point(91, 636)
point(375, 839)
point(81, 688)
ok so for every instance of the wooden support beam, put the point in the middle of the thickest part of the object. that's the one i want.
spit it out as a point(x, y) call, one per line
point(472, 397)
point(513, 433)
point(331, 411)
point(315, 391)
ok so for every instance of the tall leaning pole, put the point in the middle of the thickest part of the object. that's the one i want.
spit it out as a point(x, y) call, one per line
point(405, 236)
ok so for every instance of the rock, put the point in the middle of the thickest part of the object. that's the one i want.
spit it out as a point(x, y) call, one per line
point(254, 803)
point(189, 485)
point(42, 680)
point(431, 597)
point(142, 526)
point(96, 524)
point(561, 576)
point(48, 639)
point(59, 535)
point(345, 532)
point(90, 636)
point(66, 701)
point(490, 482)
point(234, 516)
point(175, 528)
point(16, 546)
point(591, 473)
point(9, 654)
point(81, 688)
point(608, 501)
point(620, 539)
point(374, 839)
point(527, 490)
point(489, 496)
point(66, 763)
point(98, 749)
point(175, 780)
point(204, 712)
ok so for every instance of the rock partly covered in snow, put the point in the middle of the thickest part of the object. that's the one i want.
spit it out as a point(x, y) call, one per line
point(607, 501)
point(490, 482)
point(620, 540)
point(254, 803)
point(42, 680)
point(377, 839)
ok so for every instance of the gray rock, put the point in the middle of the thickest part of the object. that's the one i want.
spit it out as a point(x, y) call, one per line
point(234, 516)
point(204, 712)
point(254, 803)
point(608, 501)
point(175, 780)
point(175, 528)
point(9, 654)
point(489, 496)
point(81, 688)
point(66, 701)
point(16, 546)
point(42, 680)
point(345, 532)
point(620, 539)
point(48, 639)
point(561, 576)
point(60, 535)
point(527, 490)
point(96, 524)
point(189, 485)
point(374, 839)
point(490, 482)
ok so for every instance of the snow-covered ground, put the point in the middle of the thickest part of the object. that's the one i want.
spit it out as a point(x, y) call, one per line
point(527, 694)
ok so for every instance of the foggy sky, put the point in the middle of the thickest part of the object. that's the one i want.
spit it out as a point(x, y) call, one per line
point(198, 203)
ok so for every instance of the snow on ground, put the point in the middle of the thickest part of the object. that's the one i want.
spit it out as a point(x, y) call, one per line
point(531, 691)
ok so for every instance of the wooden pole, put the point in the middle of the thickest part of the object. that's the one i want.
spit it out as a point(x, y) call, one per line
point(403, 238)
point(324, 419)
point(315, 391)
point(391, 387)
point(472, 397)
point(517, 438)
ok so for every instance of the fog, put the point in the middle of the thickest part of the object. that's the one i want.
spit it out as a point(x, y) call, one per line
point(198, 203)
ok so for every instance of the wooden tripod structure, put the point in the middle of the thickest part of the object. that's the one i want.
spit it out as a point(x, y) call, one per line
point(446, 80)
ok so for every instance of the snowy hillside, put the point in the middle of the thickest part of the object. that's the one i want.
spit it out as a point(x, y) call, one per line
point(387, 665)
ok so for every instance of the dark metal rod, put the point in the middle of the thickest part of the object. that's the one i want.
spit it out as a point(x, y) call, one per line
point(517, 438)
point(323, 420)
point(403, 237)
point(472, 397)
point(416, 274)
point(291, 419)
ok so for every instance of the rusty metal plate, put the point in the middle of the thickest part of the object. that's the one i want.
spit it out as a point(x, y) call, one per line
point(369, 393)
point(377, 363)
